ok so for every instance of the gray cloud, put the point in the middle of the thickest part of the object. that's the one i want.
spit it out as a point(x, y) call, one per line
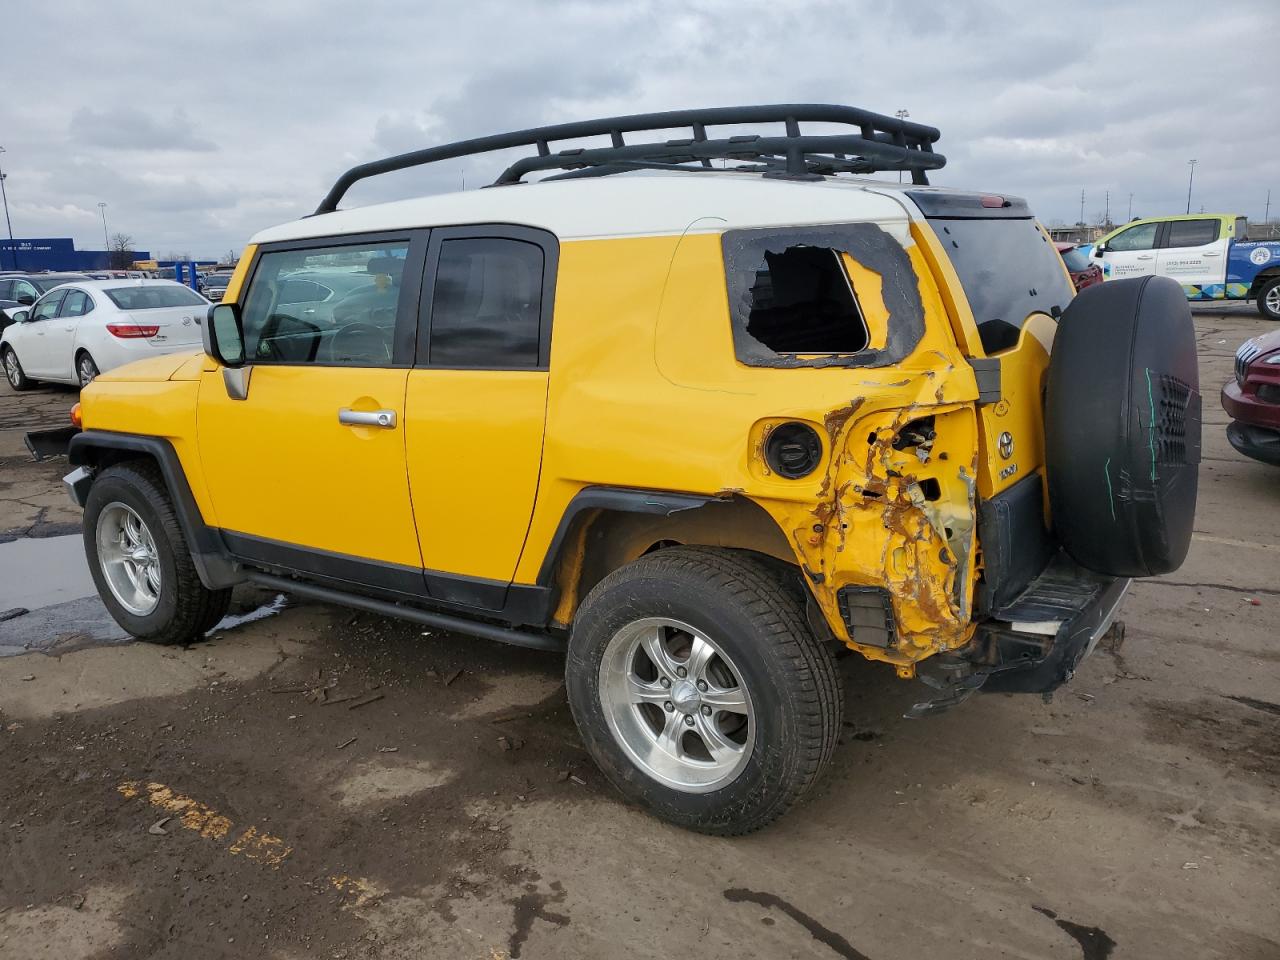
point(127, 128)
point(1036, 100)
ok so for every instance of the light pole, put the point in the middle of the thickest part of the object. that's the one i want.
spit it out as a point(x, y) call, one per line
point(13, 253)
point(901, 115)
point(1129, 215)
point(106, 244)
point(1190, 180)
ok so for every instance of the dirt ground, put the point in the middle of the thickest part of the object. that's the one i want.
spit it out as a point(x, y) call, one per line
point(318, 783)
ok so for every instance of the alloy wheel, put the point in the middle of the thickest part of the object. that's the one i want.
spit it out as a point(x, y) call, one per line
point(676, 704)
point(128, 558)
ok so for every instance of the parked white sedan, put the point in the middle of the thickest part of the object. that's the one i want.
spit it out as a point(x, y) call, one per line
point(78, 330)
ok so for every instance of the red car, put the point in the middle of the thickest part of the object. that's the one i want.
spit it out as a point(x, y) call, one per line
point(1084, 273)
point(1253, 399)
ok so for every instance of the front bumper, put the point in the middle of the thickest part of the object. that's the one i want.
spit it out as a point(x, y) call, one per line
point(1248, 408)
point(1259, 443)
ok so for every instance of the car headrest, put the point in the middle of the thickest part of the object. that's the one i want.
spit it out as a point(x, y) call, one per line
point(391, 266)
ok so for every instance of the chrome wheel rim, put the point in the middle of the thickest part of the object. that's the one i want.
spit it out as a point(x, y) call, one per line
point(676, 704)
point(88, 370)
point(128, 559)
point(11, 367)
point(1273, 300)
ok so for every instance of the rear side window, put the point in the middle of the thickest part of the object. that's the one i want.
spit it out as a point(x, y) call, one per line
point(486, 308)
point(154, 297)
point(76, 304)
point(1192, 233)
point(1009, 270)
point(802, 302)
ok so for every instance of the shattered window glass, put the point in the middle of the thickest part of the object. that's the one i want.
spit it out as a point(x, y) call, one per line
point(802, 302)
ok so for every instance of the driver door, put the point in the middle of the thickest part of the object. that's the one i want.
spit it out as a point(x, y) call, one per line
point(1130, 253)
point(305, 466)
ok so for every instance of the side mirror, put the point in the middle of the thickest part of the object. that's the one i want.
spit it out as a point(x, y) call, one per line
point(224, 335)
point(1100, 249)
point(19, 316)
point(26, 299)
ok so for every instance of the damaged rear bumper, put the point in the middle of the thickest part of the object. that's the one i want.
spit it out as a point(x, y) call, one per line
point(1035, 643)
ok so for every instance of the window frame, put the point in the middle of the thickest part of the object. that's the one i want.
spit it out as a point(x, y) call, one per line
point(1167, 231)
point(550, 245)
point(404, 343)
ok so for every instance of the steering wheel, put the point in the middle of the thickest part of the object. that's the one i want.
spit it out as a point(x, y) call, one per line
point(359, 341)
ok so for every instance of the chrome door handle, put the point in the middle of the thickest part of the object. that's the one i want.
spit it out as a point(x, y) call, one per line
point(367, 418)
point(1212, 253)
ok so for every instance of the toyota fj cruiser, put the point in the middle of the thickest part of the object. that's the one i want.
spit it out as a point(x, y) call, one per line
point(699, 411)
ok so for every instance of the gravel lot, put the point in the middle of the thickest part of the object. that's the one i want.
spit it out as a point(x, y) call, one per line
point(319, 783)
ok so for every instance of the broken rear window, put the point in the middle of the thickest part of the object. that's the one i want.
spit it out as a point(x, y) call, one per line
point(802, 302)
point(793, 303)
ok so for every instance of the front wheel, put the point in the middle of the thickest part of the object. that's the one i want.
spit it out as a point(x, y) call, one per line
point(700, 690)
point(1269, 299)
point(13, 370)
point(140, 560)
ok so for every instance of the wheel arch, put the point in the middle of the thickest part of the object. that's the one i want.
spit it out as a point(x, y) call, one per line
point(1262, 278)
point(605, 528)
point(96, 450)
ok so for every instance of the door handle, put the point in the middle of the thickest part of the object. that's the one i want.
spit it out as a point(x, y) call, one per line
point(367, 418)
point(1146, 256)
point(1213, 253)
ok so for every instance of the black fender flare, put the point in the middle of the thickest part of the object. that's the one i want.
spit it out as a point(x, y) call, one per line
point(93, 449)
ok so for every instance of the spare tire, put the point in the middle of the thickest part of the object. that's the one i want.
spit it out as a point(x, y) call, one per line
point(1122, 427)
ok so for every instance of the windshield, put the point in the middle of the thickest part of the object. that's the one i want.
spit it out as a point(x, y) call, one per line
point(1009, 270)
point(1075, 260)
point(154, 297)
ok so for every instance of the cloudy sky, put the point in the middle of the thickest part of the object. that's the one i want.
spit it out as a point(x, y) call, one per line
point(199, 124)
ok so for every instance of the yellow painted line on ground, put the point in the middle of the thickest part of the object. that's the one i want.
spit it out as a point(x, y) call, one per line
point(252, 843)
point(1229, 542)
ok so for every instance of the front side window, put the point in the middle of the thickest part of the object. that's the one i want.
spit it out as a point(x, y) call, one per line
point(75, 304)
point(1192, 233)
point(21, 288)
point(331, 305)
point(1141, 237)
point(6, 289)
point(48, 307)
point(486, 308)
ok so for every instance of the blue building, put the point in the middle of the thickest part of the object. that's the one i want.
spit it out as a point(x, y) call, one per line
point(55, 253)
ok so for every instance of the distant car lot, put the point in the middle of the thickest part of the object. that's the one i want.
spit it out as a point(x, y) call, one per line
point(82, 328)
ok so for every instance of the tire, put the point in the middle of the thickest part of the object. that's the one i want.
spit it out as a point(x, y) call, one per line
point(1269, 299)
point(753, 622)
point(13, 370)
point(171, 606)
point(86, 368)
point(1122, 427)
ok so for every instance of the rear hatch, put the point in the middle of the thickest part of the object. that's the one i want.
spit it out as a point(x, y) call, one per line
point(166, 315)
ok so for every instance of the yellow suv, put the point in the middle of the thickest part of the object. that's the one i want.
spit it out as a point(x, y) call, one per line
point(700, 412)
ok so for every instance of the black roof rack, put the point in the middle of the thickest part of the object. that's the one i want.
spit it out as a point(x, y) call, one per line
point(878, 143)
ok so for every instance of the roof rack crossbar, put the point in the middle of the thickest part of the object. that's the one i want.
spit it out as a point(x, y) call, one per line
point(909, 145)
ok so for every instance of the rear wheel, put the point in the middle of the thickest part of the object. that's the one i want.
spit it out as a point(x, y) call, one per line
point(700, 690)
point(13, 370)
point(140, 560)
point(1269, 299)
point(86, 369)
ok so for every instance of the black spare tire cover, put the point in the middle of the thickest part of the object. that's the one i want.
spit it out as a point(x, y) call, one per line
point(1122, 427)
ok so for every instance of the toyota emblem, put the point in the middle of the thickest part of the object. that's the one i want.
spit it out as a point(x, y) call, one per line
point(1006, 444)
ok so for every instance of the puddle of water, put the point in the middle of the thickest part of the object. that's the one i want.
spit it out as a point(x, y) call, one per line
point(41, 572)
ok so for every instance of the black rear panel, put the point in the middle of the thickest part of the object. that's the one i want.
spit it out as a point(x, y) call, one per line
point(1016, 546)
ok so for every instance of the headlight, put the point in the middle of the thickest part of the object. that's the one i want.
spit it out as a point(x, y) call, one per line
point(1273, 359)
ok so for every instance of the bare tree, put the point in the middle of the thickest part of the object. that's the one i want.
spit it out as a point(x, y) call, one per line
point(120, 253)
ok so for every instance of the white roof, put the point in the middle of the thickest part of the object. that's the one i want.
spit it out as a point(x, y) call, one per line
point(622, 205)
point(117, 282)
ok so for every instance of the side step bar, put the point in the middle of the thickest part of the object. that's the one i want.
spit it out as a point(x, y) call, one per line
point(442, 621)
